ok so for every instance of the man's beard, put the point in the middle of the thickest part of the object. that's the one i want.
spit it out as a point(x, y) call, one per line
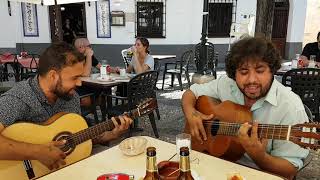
point(60, 93)
point(263, 91)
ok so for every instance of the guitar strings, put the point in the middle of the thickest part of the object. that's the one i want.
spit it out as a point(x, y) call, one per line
point(81, 133)
point(231, 124)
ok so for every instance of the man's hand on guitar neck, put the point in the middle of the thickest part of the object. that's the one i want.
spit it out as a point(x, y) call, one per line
point(51, 155)
point(251, 143)
point(125, 122)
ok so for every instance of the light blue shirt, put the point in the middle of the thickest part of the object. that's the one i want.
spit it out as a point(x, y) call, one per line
point(280, 106)
point(149, 61)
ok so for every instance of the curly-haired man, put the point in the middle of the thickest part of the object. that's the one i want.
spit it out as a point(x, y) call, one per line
point(250, 67)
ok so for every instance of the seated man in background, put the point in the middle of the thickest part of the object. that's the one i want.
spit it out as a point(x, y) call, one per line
point(36, 100)
point(83, 46)
point(250, 66)
point(311, 49)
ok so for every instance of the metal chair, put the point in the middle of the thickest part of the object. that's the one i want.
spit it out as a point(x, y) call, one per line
point(92, 109)
point(125, 57)
point(32, 70)
point(139, 88)
point(212, 63)
point(306, 83)
point(309, 113)
point(180, 67)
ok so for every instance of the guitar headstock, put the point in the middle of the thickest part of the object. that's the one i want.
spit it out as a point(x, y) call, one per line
point(145, 107)
point(306, 135)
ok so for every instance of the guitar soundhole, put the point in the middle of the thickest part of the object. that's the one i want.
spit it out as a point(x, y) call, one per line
point(215, 127)
point(69, 145)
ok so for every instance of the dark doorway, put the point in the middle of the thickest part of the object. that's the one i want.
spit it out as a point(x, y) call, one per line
point(280, 25)
point(72, 22)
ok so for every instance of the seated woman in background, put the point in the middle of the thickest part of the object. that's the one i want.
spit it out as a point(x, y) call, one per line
point(84, 47)
point(141, 60)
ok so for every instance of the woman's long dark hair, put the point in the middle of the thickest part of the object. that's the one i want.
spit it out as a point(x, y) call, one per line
point(144, 42)
point(250, 47)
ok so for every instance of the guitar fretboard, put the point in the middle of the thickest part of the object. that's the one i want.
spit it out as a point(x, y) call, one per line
point(267, 131)
point(95, 131)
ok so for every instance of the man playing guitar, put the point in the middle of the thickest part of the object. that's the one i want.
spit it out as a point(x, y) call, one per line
point(37, 99)
point(250, 67)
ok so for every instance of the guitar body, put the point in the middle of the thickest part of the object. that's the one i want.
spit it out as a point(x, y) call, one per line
point(42, 134)
point(225, 147)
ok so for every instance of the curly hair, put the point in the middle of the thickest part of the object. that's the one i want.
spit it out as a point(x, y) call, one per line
point(251, 47)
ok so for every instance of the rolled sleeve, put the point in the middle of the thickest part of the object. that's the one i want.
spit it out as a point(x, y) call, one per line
point(286, 149)
point(289, 151)
point(150, 62)
point(11, 110)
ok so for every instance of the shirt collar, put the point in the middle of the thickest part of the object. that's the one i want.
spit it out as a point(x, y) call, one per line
point(34, 83)
point(271, 96)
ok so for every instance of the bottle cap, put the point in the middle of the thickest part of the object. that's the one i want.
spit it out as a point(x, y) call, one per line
point(151, 151)
point(184, 151)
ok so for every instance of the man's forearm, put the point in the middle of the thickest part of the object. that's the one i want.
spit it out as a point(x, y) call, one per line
point(105, 137)
point(275, 165)
point(87, 66)
point(14, 150)
point(188, 102)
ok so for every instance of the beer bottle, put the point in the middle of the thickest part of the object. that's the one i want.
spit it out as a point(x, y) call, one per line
point(185, 172)
point(152, 170)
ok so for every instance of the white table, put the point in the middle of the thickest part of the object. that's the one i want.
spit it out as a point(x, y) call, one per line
point(162, 57)
point(113, 161)
point(103, 86)
point(115, 80)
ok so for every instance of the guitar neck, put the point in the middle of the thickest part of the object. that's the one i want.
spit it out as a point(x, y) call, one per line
point(266, 131)
point(95, 131)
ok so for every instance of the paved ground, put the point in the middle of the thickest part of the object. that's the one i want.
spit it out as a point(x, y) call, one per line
point(172, 123)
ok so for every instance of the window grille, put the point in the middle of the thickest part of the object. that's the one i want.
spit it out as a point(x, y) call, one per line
point(222, 13)
point(150, 18)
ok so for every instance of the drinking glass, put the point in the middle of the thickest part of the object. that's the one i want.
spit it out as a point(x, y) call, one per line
point(312, 62)
point(183, 140)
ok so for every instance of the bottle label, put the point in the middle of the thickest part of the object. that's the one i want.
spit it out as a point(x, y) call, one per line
point(152, 164)
point(184, 163)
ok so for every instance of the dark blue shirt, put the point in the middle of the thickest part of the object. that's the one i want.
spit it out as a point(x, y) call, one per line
point(27, 102)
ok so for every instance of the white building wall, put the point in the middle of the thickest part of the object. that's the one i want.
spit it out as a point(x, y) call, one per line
point(183, 23)
point(312, 24)
point(296, 21)
point(11, 31)
point(8, 26)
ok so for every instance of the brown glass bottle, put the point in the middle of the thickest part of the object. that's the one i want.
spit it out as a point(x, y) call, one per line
point(185, 172)
point(152, 169)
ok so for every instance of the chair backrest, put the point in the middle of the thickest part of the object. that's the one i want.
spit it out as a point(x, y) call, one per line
point(125, 57)
point(142, 86)
point(211, 63)
point(306, 83)
point(309, 113)
point(185, 60)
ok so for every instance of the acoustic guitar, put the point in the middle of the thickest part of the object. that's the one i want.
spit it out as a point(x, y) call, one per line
point(70, 127)
point(222, 130)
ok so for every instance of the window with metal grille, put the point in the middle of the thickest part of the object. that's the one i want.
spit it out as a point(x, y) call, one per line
point(151, 18)
point(222, 13)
